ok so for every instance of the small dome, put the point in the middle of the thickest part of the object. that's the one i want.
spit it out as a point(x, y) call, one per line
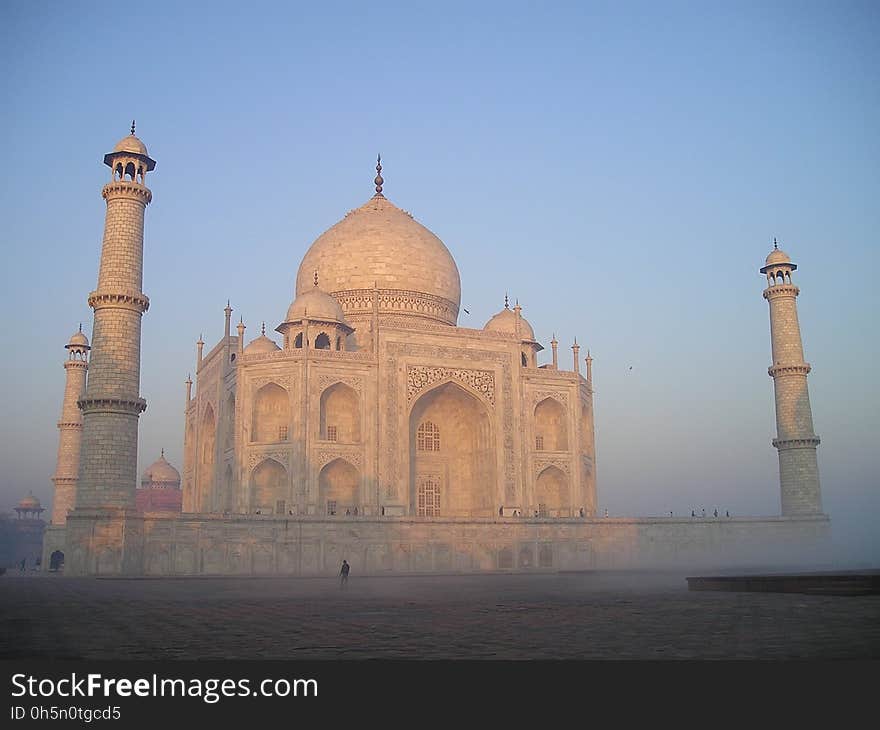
point(78, 339)
point(30, 503)
point(260, 345)
point(777, 256)
point(506, 321)
point(132, 145)
point(315, 304)
point(161, 474)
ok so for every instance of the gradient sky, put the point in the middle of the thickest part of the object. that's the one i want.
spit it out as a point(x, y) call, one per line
point(621, 168)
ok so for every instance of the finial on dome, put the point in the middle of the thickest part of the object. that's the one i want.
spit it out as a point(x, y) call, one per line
point(506, 303)
point(132, 126)
point(378, 181)
point(80, 326)
point(163, 453)
point(316, 278)
point(263, 329)
point(775, 246)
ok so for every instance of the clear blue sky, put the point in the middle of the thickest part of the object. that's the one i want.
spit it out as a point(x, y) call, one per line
point(621, 168)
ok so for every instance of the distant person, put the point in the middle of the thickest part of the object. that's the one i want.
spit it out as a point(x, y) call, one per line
point(693, 514)
point(343, 574)
point(670, 513)
point(501, 511)
point(727, 513)
point(606, 511)
point(704, 511)
point(582, 511)
point(21, 565)
point(716, 512)
point(37, 564)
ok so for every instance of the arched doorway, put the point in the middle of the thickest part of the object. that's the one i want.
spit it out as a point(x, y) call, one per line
point(339, 488)
point(551, 433)
point(206, 459)
point(271, 414)
point(452, 455)
point(268, 487)
point(340, 414)
point(552, 493)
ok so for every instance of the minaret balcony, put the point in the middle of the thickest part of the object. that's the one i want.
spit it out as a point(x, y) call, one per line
point(796, 369)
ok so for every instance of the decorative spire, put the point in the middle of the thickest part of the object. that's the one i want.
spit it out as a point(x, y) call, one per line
point(775, 246)
point(506, 303)
point(379, 181)
point(132, 126)
point(554, 339)
point(80, 326)
point(263, 329)
point(316, 278)
point(163, 453)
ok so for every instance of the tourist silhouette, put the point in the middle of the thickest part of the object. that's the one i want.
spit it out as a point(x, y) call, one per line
point(343, 574)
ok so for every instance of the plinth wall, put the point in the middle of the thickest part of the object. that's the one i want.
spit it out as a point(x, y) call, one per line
point(191, 544)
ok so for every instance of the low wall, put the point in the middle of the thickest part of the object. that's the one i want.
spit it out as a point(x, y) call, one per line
point(191, 544)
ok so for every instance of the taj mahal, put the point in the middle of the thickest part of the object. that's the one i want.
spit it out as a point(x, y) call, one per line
point(364, 423)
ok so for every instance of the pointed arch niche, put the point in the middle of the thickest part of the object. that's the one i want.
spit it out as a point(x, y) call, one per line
point(340, 414)
point(339, 488)
point(461, 460)
point(551, 433)
point(207, 446)
point(552, 493)
point(271, 418)
point(268, 486)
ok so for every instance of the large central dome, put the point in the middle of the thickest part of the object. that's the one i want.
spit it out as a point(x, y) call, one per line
point(379, 245)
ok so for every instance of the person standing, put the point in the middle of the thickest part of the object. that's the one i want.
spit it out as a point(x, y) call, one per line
point(343, 574)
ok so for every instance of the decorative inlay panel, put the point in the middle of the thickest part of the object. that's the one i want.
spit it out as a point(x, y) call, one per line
point(541, 464)
point(325, 381)
point(325, 456)
point(255, 457)
point(282, 380)
point(419, 377)
point(559, 395)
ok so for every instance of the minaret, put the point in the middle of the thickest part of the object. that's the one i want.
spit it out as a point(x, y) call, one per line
point(241, 328)
point(576, 348)
point(554, 344)
point(112, 403)
point(795, 440)
point(70, 428)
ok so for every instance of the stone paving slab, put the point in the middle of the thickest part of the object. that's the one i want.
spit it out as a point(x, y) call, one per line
point(601, 615)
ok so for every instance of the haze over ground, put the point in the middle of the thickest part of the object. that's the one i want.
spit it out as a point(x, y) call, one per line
point(620, 171)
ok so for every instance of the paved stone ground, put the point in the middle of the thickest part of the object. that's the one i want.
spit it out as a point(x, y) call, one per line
point(567, 616)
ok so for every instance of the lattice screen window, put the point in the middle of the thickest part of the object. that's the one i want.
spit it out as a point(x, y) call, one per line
point(282, 433)
point(280, 507)
point(539, 443)
point(331, 433)
point(428, 437)
point(429, 497)
point(331, 507)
